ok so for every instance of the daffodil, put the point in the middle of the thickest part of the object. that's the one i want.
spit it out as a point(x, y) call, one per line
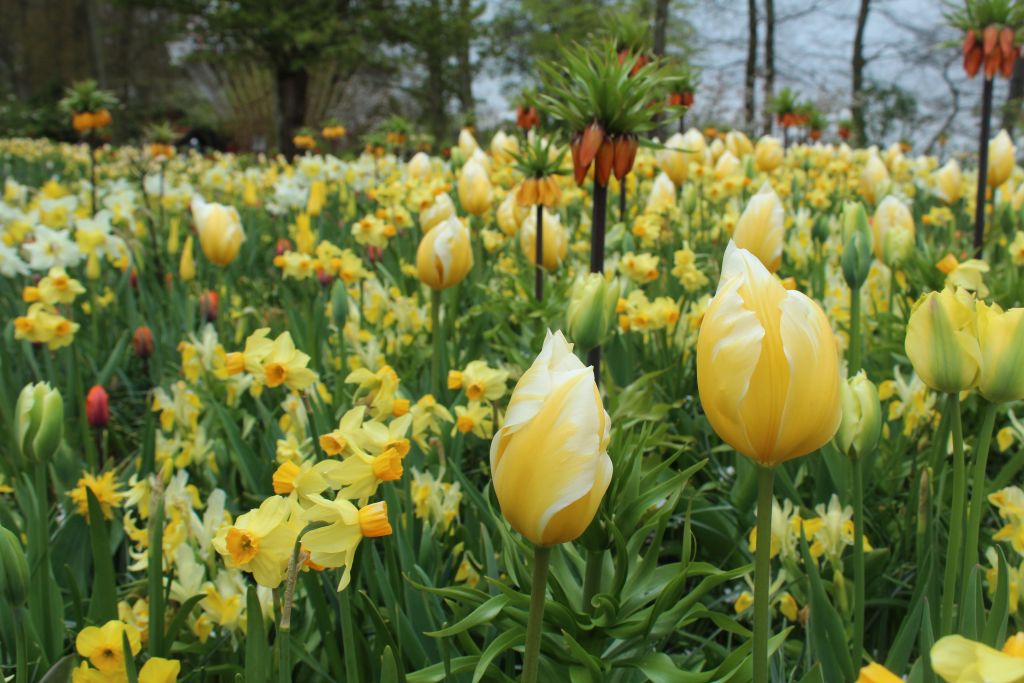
point(260, 541)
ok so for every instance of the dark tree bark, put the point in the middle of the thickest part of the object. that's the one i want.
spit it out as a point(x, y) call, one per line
point(660, 26)
point(769, 63)
point(465, 64)
point(857, 103)
point(1014, 99)
point(292, 85)
point(750, 82)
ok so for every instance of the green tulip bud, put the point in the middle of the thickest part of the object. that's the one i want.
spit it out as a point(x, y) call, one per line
point(819, 231)
point(39, 421)
point(339, 304)
point(591, 310)
point(857, 254)
point(861, 425)
point(13, 569)
point(689, 199)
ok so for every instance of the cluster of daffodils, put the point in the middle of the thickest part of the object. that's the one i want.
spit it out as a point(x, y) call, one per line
point(1010, 504)
point(43, 322)
point(484, 387)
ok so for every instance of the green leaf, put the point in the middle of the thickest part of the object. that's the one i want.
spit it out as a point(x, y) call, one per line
point(482, 614)
point(827, 635)
point(388, 667)
point(103, 607)
point(995, 627)
point(505, 641)
point(257, 651)
point(155, 580)
point(181, 616)
point(129, 659)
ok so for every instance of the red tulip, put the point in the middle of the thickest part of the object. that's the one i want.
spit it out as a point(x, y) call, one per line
point(97, 407)
point(142, 340)
point(209, 305)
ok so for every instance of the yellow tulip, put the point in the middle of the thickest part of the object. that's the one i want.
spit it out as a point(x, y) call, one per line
point(220, 230)
point(959, 660)
point(556, 242)
point(504, 146)
point(738, 143)
point(475, 188)
point(876, 673)
point(1001, 159)
point(861, 425)
point(419, 165)
point(467, 143)
point(761, 228)
point(187, 264)
point(768, 154)
point(442, 208)
point(679, 151)
point(549, 460)
point(767, 365)
point(942, 341)
point(511, 214)
point(663, 193)
point(874, 179)
point(949, 182)
point(893, 231)
point(444, 255)
point(1001, 342)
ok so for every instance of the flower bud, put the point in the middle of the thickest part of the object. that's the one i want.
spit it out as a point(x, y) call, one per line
point(768, 154)
point(591, 310)
point(339, 304)
point(444, 255)
point(549, 461)
point(874, 179)
point(942, 341)
point(556, 242)
point(209, 305)
point(861, 425)
point(142, 341)
point(761, 228)
point(1001, 342)
point(857, 255)
point(13, 569)
point(97, 407)
point(1001, 159)
point(475, 190)
point(220, 230)
point(689, 199)
point(949, 184)
point(893, 231)
point(39, 421)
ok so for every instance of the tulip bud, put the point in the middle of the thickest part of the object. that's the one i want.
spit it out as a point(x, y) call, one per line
point(419, 165)
point(339, 304)
point(475, 190)
point(673, 160)
point(38, 421)
point(13, 569)
point(767, 365)
point(942, 341)
point(738, 143)
point(820, 230)
point(97, 407)
point(857, 249)
point(142, 340)
point(874, 179)
point(768, 154)
point(861, 425)
point(549, 461)
point(591, 310)
point(467, 143)
point(209, 305)
point(893, 231)
point(689, 199)
point(949, 184)
point(187, 264)
point(1001, 159)
point(220, 230)
point(441, 209)
point(1001, 343)
point(761, 228)
point(556, 242)
point(444, 255)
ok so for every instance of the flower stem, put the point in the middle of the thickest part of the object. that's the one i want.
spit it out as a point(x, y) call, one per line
point(762, 573)
point(956, 519)
point(988, 421)
point(592, 578)
point(20, 646)
point(284, 652)
point(538, 284)
point(854, 364)
point(858, 561)
point(979, 211)
point(535, 625)
point(435, 359)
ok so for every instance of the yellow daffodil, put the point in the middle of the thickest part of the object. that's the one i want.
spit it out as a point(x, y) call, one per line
point(260, 541)
point(103, 645)
point(959, 660)
point(334, 545)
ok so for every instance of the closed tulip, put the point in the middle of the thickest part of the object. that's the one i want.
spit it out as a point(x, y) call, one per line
point(419, 165)
point(674, 160)
point(768, 154)
point(442, 209)
point(444, 255)
point(767, 365)
point(949, 182)
point(663, 193)
point(511, 214)
point(467, 143)
point(591, 310)
point(861, 425)
point(727, 165)
point(187, 262)
point(38, 421)
point(97, 407)
point(874, 179)
point(220, 230)
point(761, 228)
point(1001, 159)
point(556, 242)
point(1001, 343)
point(549, 461)
point(475, 188)
point(893, 231)
point(942, 341)
point(503, 146)
point(738, 143)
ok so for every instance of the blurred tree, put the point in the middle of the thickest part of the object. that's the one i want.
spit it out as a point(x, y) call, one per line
point(1014, 99)
point(890, 111)
point(750, 75)
point(769, 62)
point(859, 62)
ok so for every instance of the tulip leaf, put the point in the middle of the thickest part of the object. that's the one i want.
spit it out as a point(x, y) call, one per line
point(130, 671)
point(388, 667)
point(899, 653)
point(482, 614)
point(104, 588)
point(826, 633)
point(995, 627)
point(113, 360)
point(181, 616)
point(502, 643)
point(257, 665)
point(969, 621)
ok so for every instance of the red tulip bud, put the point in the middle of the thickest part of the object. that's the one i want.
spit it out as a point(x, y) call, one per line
point(142, 340)
point(209, 305)
point(97, 407)
point(283, 245)
point(133, 279)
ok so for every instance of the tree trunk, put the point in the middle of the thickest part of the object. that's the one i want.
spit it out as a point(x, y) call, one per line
point(660, 26)
point(96, 44)
point(1014, 99)
point(292, 85)
point(769, 63)
point(750, 82)
point(465, 63)
point(857, 104)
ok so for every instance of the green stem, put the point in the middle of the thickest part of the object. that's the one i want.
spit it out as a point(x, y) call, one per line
point(858, 561)
point(435, 359)
point(854, 331)
point(20, 646)
point(535, 625)
point(762, 573)
point(592, 578)
point(284, 652)
point(988, 421)
point(956, 519)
